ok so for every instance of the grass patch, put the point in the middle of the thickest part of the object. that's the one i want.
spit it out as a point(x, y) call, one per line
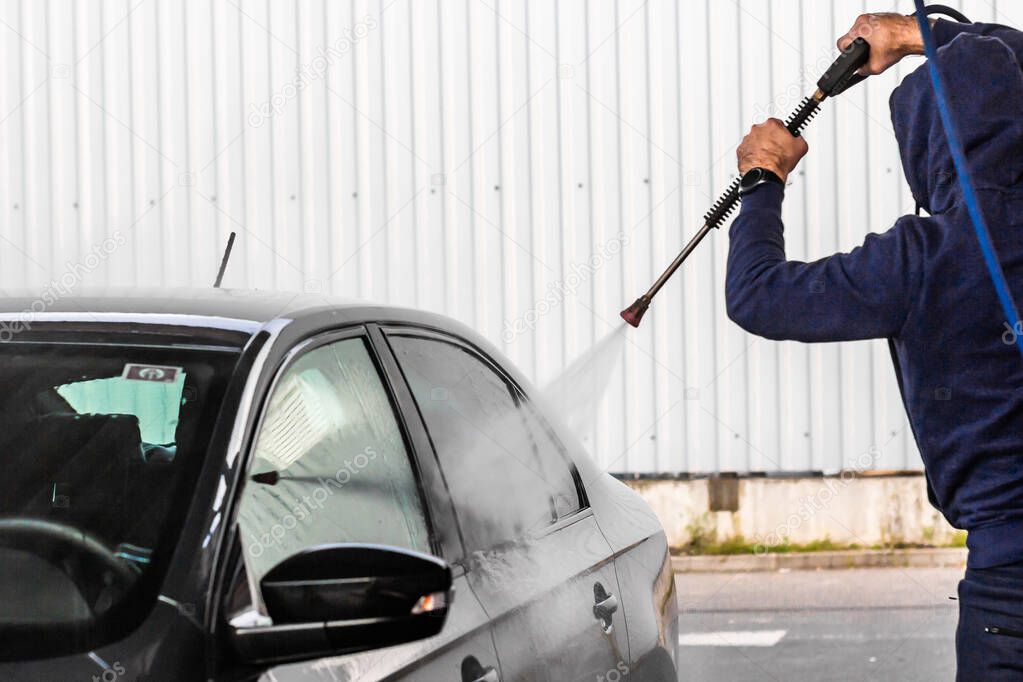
point(739, 545)
point(704, 544)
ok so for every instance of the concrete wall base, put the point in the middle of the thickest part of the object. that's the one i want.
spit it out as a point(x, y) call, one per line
point(848, 509)
point(946, 557)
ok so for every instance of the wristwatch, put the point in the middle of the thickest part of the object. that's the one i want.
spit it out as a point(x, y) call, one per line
point(755, 177)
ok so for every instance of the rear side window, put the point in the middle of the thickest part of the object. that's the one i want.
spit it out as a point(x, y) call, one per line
point(506, 473)
point(154, 403)
point(556, 469)
point(330, 463)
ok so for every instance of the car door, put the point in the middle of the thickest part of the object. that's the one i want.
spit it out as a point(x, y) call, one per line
point(333, 461)
point(537, 561)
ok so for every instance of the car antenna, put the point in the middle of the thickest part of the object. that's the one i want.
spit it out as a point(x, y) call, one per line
point(223, 261)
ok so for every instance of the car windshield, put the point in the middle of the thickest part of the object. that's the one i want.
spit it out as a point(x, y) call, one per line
point(100, 444)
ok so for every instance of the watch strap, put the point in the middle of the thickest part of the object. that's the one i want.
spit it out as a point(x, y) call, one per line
point(756, 177)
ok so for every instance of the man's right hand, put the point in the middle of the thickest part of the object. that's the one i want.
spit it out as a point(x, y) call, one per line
point(891, 37)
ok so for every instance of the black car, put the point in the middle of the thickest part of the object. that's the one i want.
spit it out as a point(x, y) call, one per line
point(230, 485)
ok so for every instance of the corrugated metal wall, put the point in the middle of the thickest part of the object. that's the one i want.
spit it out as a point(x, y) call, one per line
point(526, 167)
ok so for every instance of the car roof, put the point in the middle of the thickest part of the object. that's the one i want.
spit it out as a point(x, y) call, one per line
point(233, 310)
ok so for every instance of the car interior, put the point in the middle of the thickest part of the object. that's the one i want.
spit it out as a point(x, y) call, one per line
point(83, 497)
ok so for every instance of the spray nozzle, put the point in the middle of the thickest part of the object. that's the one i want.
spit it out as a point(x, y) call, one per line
point(634, 313)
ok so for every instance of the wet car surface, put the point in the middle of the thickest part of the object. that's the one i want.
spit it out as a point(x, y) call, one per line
point(235, 485)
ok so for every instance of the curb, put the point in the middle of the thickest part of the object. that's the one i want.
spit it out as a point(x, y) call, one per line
point(950, 557)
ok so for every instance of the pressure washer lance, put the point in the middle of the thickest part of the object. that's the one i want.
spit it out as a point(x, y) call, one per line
point(839, 77)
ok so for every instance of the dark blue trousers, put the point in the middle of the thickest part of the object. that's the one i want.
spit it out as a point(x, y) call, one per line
point(989, 639)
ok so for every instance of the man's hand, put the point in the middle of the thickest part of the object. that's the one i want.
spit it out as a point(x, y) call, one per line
point(891, 37)
point(770, 145)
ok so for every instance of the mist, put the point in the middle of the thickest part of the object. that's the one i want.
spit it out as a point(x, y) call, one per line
point(575, 394)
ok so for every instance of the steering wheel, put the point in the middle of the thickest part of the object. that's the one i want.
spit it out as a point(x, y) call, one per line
point(89, 563)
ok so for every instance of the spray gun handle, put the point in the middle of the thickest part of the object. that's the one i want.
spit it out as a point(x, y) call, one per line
point(841, 75)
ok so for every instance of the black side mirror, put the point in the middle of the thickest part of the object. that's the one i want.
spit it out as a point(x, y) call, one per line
point(344, 598)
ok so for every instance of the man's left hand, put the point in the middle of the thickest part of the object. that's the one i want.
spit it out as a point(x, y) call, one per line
point(770, 145)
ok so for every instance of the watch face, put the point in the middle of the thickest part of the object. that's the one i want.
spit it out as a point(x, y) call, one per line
point(751, 178)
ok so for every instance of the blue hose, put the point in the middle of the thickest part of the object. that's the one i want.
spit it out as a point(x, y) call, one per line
point(963, 171)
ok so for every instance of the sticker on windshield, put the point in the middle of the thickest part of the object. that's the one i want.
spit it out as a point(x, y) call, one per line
point(157, 373)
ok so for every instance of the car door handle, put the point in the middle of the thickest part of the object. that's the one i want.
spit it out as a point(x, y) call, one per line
point(604, 607)
point(489, 675)
point(472, 671)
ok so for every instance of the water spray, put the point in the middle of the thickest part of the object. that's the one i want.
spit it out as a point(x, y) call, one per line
point(839, 77)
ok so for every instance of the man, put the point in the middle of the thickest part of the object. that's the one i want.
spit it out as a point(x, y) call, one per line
point(923, 286)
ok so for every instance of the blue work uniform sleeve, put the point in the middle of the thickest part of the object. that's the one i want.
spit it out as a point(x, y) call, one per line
point(944, 31)
point(864, 294)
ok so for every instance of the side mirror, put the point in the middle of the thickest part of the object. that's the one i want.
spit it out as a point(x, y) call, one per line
point(345, 598)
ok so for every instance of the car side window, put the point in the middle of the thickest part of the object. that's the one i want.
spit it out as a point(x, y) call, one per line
point(558, 472)
point(330, 464)
point(487, 440)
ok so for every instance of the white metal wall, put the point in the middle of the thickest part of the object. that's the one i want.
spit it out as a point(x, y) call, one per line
point(526, 167)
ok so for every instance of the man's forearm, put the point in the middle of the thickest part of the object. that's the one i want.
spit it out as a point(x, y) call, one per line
point(756, 244)
point(863, 294)
point(945, 31)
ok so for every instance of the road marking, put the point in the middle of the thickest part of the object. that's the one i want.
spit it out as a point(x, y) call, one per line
point(732, 638)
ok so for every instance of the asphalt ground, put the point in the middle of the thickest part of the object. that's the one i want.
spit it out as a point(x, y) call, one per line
point(858, 624)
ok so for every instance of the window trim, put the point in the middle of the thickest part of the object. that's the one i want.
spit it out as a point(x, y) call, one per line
point(518, 394)
point(436, 486)
point(566, 521)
